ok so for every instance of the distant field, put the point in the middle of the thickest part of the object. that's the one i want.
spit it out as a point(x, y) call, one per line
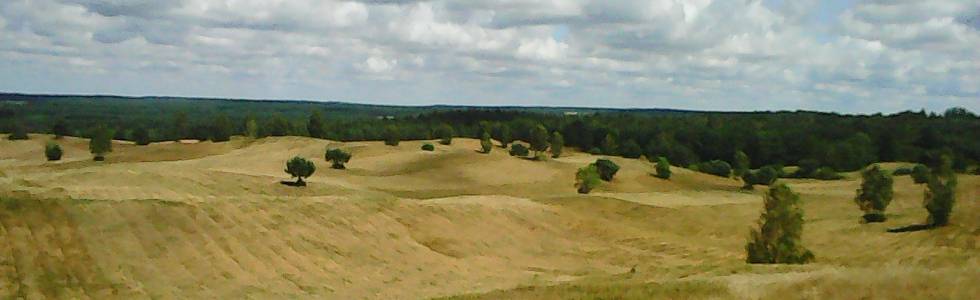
point(210, 220)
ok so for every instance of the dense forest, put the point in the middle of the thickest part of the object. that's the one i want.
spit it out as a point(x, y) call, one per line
point(843, 142)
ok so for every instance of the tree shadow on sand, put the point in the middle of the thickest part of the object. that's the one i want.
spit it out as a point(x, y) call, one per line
point(913, 227)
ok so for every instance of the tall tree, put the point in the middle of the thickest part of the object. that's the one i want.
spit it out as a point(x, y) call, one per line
point(300, 168)
point(875, 193)
point(557, 144)
point(539, 140)
point(101, 143)
point(777, 240)
point(392, 135)
point(60, 129)
point(485, 144)
point(741, 163)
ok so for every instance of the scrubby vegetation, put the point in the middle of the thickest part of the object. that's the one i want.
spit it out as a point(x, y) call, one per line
point(764, 176)
point(445, 134)
point(741, 163)
point(875, 193)
point(100, 144)
point(485, 144)
point(715, 167)
point(18, 132)
point(337, 157)
point(663, 168)
point(428, 147)
point(587, 178)
point(519, 150)
point(557, 144)
point(607, 169)
point(392, 136)
point(777, 240)
point(940, 193)
point(920, 174)
point(52, 151)
point(300, 168)
point(539, 141)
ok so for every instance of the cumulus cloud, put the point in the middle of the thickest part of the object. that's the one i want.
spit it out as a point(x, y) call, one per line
point(696, 54)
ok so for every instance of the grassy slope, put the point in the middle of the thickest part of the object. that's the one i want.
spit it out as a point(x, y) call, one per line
point(209, 220)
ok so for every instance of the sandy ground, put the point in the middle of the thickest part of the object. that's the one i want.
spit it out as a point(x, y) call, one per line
point(205, 220)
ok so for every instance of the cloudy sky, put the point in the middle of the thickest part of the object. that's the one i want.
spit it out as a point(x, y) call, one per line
point(845, 56)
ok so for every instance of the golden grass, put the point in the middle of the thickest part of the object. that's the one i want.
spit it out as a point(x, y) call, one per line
point(211, 221)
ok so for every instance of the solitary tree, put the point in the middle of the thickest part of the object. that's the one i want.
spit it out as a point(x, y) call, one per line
point(337, 157)
point(557, 143)
point(141, 136)
point(766, 175)
point(940, 194)
point(777, 240)
point(485, 143)
point(502, 134)
point(60, 129)
point(18, 132)
point(445, 134)
point(742, 163)
point(663, 168)
point(392, 136)
point(101, 143)
point(607, 168)
point(539, 140)
point(315, 125)
point(587, 178)
point(52, 151)
point(875, 193)
point(300, 168)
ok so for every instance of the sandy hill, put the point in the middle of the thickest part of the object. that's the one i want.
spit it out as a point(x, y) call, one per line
point(209, 220)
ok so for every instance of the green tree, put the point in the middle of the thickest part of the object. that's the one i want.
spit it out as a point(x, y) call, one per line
point(300, 168)
point(485, 144)
point(920, 174)
point(557, 143)
point(428, 147)
point(315, 125)
point(517, 149)
point(101, 143)
point(609, 146)
point(715, 167)
point(141, 135)
point(52, 151)
point(278, 126)
point(18, 132)
point(940, 193)
point(338, 157)
point(445, 134)
point(607, 169)
point(392, 136)
point(777, 240)
point(251, 128)
point(663, 168)
point(60, 129)
point(221, 128)
point(766, 175)
point(539, 140)
point(501, 132)
point(875, 193)
point(630, 149)
point(180, 129)
point(742, 163)
point(587, 178)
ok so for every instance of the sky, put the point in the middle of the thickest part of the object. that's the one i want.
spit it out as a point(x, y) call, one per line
point(732, 55)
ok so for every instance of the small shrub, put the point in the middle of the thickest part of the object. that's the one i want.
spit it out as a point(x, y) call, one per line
point(428, 147)
point(300, 168)
point(392, 136)
point(663, 168)
point(595, 151)
point(741, 161)
point(518, 150)
point(806, 168)
point(141, 136)
point(587, 178)
point(338, 158)
point(902, 171)
point(715, 167)
point(100, 144)
point(777, 240)
point(607, 168)
point(445, 134)
point(764, 176)
point(827, 173)
point(485, 144)
point(920, 174)
point(52, 151)
point(875, 194)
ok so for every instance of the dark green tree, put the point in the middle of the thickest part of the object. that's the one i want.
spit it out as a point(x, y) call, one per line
point(630, 149)
point(920, 174)
point(338, 157)
point(101, 143)
point(609, 145)
point(557, 144)
point(940, 195)
point(392, 135)
point(60, 129)
point(663, 168)
point(18, 132)
point(300, 168)
point(428, 147)
point(518, 149)
point(875, 193)
point(501, 132)
point(607, 169)
point(539, 140)
point(766, 175)
point(587, 178)
point(715, 167)
point(777, 240)
point(141, 136)
point(181, 128)
point(221, 129)
point(315, 125)
point(741, 163)
point(278, 126)
point(52, 151)
point(485, 144)
point(445, 134)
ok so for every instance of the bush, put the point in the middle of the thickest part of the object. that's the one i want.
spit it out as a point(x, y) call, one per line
point(663, 168)
point(807, 168)
point(940, 194)
point(100, 144)
point(445, 134)
point(715, 167)
point(300, 168)
point(52, 151)
point(764, 176)
point(902, 171)
point(587, 178)
point(501, 132)
point(141, 136)
point(920, 174)
point(827, 173)
point(777, 240)
point(428, 147)
point(539, 140)
point(518, 150)
point(338, 157)
point(875, 193)
point(392, 136)
point(741, 161)
point(607, 168)
point(485, 144)
point(557, 143)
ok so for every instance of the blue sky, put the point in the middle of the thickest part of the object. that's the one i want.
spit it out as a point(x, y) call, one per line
point(844, 56)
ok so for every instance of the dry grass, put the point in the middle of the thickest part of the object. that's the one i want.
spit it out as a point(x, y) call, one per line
point(211, 221)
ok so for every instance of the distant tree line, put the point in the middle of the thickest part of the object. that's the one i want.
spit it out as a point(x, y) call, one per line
point(716, 142)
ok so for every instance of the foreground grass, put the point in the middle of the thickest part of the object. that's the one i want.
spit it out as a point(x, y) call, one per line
point(612, 290)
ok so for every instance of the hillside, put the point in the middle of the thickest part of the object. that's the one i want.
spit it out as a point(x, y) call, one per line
point(210, 220)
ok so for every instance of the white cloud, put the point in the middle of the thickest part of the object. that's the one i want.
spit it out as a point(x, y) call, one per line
point(701, 54)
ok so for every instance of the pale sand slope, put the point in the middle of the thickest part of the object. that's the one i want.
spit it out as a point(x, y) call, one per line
point(211, 221)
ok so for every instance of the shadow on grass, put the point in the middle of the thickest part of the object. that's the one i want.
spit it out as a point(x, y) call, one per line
point(292, 183)
point(913, 227)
